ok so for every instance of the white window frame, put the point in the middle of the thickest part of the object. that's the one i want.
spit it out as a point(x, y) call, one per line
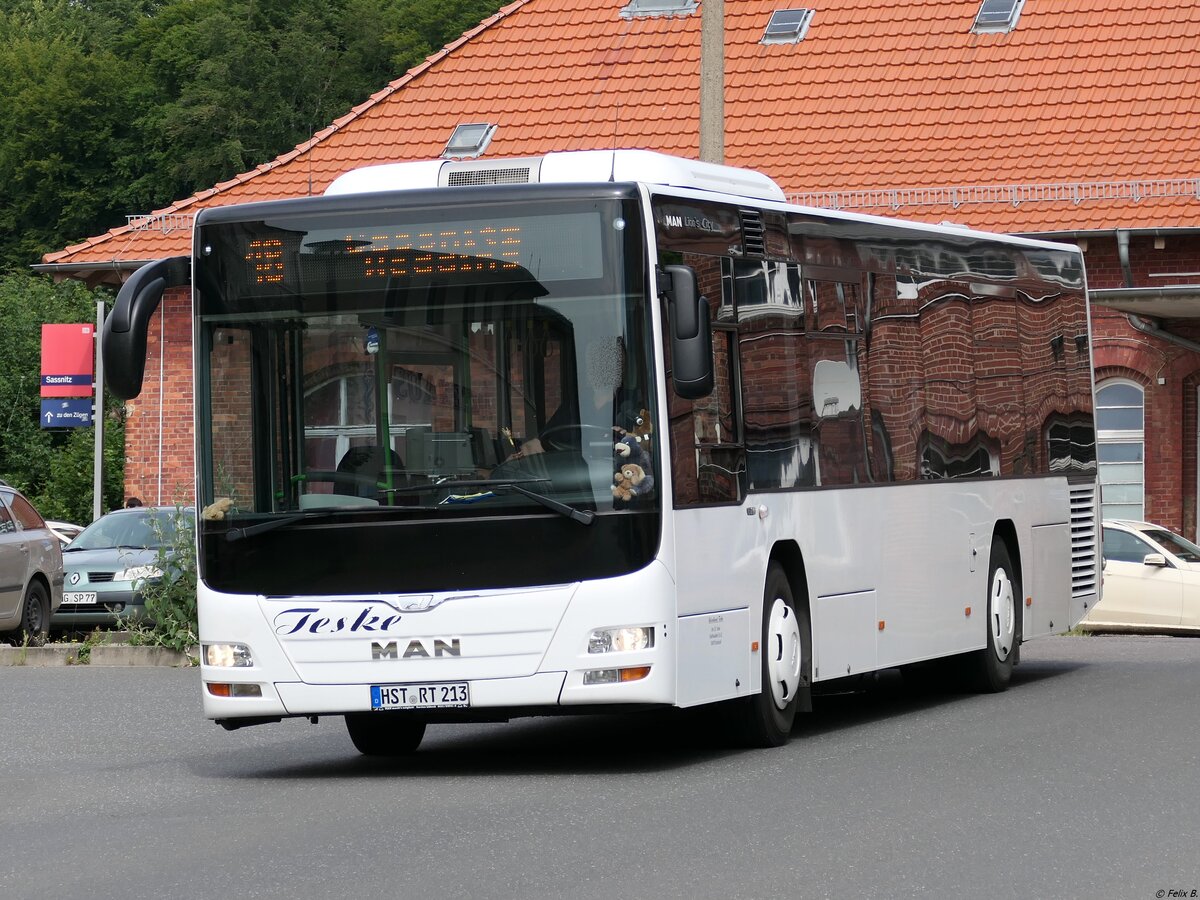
point(1121, 436)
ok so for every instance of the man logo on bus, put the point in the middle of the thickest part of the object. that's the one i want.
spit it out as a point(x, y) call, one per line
point(416, 649)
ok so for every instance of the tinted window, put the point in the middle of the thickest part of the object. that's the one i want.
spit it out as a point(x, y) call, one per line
point(147, 530)
point(707, 458)
point(7, 524)
point(24, 513)
point(1184, 549)
point(1122, 546)
point(776, 399)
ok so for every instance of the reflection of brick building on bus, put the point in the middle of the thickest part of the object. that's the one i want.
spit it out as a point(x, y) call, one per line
point(840, 361)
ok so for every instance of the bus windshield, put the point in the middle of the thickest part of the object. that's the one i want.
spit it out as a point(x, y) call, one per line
point(412, 379)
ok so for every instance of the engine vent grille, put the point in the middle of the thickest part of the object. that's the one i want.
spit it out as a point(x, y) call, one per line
point(1083, 540)
point(472, 174)
point(753, 240)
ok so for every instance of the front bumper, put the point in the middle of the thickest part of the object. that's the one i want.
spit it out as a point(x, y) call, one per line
point(519, 649)
point(110, 608)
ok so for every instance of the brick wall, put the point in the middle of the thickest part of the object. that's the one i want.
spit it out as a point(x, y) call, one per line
point(1168, 373)
point(159, 444)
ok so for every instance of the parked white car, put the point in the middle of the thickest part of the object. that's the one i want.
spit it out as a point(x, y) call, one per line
point(64, 531)
point(1151, 581)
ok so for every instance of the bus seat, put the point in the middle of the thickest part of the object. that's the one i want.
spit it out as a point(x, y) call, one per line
point(362, 469)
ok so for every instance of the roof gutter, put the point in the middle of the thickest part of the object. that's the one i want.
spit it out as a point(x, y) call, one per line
point(1145, 325)
point(1152, 328)
point(1146, 293)
point(1123, 255)
point(1102, 232)
point(112, 272)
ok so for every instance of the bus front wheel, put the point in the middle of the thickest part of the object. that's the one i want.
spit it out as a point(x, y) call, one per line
point(785, 658)
point(384, 734)
point(993, 665)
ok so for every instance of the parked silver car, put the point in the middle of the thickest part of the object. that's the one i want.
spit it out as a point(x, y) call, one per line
point(31, 570)
point(114, 558)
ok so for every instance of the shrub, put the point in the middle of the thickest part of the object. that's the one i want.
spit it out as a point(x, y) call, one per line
point(171, 600)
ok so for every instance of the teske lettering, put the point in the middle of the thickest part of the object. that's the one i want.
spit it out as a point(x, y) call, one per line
point(309, 621)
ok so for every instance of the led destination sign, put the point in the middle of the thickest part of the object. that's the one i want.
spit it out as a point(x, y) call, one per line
point(302, 256)
point(400, 254)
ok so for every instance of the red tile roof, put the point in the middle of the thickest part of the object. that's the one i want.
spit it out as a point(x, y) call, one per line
point(1085, 113)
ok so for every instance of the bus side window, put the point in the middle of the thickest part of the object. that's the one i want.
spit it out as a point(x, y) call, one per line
point(776, 397)
point(837, 384)
point(707, 459)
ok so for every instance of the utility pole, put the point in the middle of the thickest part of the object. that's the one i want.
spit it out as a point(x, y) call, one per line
point(98, 421)
point(712, 81)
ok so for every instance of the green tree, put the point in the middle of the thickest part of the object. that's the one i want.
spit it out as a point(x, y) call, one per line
point(115, 107)
point(237, 82)
point(67, 145)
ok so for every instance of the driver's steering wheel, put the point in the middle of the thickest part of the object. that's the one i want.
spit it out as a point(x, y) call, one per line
point(549, 444)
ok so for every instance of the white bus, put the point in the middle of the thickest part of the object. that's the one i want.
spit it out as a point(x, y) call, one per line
point(596, 430)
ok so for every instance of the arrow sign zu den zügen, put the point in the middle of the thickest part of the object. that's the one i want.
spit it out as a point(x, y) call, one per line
point(61, 412)
point(67, 356)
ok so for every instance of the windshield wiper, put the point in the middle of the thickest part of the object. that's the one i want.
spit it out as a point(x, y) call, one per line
point(582, 516)
point(457, 483)
point(236, 534)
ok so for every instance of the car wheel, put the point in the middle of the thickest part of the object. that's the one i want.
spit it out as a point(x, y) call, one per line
point(992, 666)
point(765, 719)
point(383, 734)
point(35, 615)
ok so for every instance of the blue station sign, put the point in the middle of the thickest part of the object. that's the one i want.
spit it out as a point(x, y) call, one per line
point(63, 412)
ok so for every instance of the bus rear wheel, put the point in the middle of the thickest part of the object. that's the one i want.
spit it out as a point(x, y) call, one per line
point(992, 667)
point(765, 719)
point(384, 734)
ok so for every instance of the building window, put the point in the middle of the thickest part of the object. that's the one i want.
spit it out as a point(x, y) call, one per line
point(637, 9)
point(997, 16)
point(787, 26)
point(1121, 449)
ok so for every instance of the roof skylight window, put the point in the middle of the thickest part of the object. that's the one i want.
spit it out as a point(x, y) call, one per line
point(787, 26)
point(469, 140)
point(997, 16)
point(637, 9)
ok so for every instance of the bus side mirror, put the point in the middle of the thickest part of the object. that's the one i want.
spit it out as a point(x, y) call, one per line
point(691, 337)
point(123, 343)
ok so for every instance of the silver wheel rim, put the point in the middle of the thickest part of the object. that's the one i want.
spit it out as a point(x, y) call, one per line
point(783, 653)
point(1002, 614)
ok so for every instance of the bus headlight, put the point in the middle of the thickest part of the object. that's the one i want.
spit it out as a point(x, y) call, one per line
point(619, 640)
point(234, 690)
point(615, 676)
point(228, 655)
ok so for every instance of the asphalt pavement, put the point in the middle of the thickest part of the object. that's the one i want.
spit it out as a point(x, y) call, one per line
point(1080, 781)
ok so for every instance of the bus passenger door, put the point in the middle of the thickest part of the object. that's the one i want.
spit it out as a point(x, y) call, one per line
point(718, 547)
